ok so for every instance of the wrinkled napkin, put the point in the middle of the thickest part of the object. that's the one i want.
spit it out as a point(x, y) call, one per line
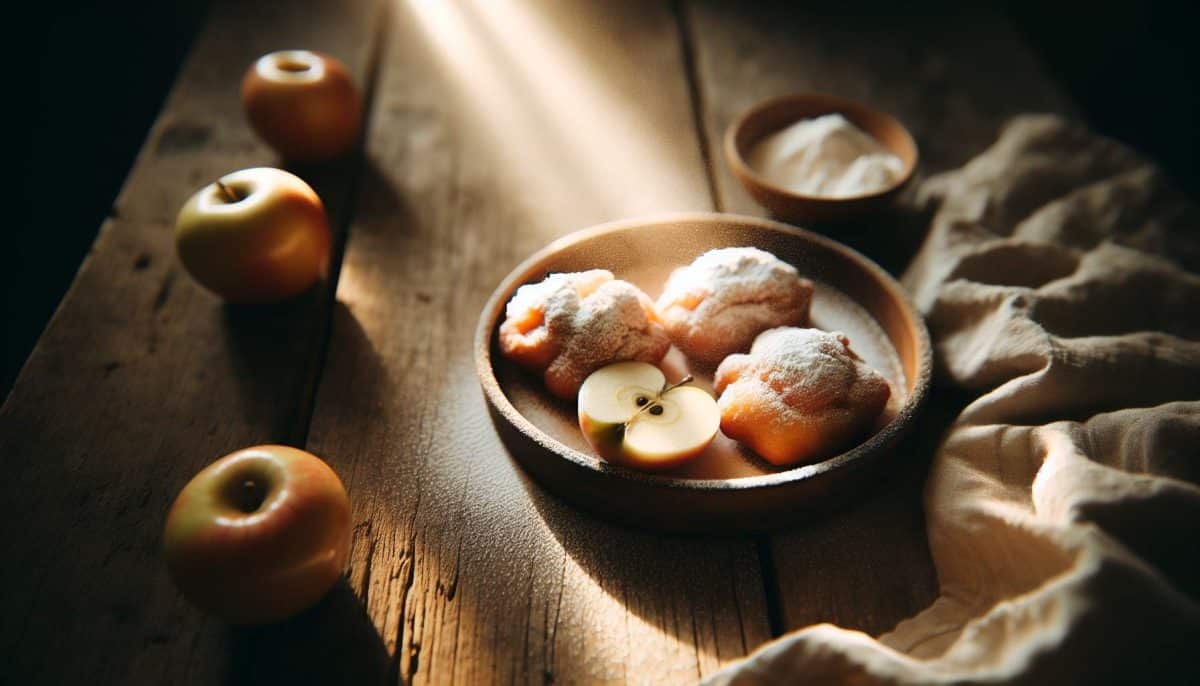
point(1059, 281)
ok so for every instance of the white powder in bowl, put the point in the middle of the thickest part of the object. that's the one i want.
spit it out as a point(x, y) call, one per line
point(826, 156)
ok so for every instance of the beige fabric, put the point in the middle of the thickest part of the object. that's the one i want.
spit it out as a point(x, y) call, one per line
point(1063, 509)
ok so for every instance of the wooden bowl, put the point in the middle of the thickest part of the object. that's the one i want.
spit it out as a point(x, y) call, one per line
point(772, 115)
point(727, 488)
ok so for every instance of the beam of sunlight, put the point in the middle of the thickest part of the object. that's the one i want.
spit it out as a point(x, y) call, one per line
point(574, 117)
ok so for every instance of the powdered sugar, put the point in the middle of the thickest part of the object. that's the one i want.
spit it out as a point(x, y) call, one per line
point(718, 304)
point(799, 393)
point(827, 156)
point(569, 325)
point(557, 292)
point(801, 367)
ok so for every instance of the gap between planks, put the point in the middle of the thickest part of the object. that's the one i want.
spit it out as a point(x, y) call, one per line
point(696, 96)
point(300, 431)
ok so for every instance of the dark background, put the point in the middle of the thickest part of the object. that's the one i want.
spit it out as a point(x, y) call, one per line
point(94, 75)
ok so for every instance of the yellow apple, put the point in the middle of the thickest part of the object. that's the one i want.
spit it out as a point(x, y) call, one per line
point(631, 416)
point(254, 236)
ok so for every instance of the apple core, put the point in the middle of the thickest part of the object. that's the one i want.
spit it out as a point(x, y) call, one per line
point(631, 415)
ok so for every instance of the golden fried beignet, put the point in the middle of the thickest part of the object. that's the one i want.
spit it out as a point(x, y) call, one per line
point(718, 304)
point(800, 395)
point(570, 325)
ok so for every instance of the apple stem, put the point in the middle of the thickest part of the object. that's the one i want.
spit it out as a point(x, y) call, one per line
point(252, 496)
point(228, 192)
point(685, 380)
point(666, 387)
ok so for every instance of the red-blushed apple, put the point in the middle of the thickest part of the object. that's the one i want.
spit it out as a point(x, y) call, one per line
point(303, 104)
point(631, 416)
point(259, 535)
point(255, 236)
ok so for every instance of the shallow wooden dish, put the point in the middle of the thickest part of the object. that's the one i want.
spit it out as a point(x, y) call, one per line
point(726, 489)
point(770, 116)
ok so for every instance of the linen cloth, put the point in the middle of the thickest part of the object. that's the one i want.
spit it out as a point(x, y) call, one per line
point(1059, 281)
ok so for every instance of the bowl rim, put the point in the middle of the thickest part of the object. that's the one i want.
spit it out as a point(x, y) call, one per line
point(489, 320)
point(733, 154)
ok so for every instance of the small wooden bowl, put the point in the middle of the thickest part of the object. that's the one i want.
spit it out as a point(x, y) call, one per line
point(726, 489)
point(772, 115)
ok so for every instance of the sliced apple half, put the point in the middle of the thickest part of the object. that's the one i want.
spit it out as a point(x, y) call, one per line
point(631, 416)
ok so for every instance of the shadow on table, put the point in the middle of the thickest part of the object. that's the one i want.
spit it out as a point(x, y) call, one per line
point(274, 348)
point(272, 351)
point(705, 593)
point(335, 642)
point(874, 535)
point(890, 238)
point(865, 565)
point(331, 643)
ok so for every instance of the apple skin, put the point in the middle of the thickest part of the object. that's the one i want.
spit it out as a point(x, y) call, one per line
point(265, 565)
point(605, 438)
point(304, 104)
point(271, 244)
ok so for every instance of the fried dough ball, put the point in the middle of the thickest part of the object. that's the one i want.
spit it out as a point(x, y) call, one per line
point(571, 324)
point(800, 395)
point(717, 305)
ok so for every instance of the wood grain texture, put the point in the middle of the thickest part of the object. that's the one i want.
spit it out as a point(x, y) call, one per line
point(498, 128)
point(141, 379)
point(953, 76)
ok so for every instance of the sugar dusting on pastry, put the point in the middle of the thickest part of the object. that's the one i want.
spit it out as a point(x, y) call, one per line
point(799, 395)
point(571, 324)
point(718, 304)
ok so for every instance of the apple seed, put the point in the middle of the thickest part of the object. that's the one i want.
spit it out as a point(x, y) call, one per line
point(655, 409)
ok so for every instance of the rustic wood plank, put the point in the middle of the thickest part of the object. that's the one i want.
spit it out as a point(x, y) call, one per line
point(953, 75)
point(498, 128)
point(141, 379)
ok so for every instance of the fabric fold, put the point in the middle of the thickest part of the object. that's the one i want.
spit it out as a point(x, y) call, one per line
point(1062, 507)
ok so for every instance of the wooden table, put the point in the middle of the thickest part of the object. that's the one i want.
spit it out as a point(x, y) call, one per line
point(492, 129)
